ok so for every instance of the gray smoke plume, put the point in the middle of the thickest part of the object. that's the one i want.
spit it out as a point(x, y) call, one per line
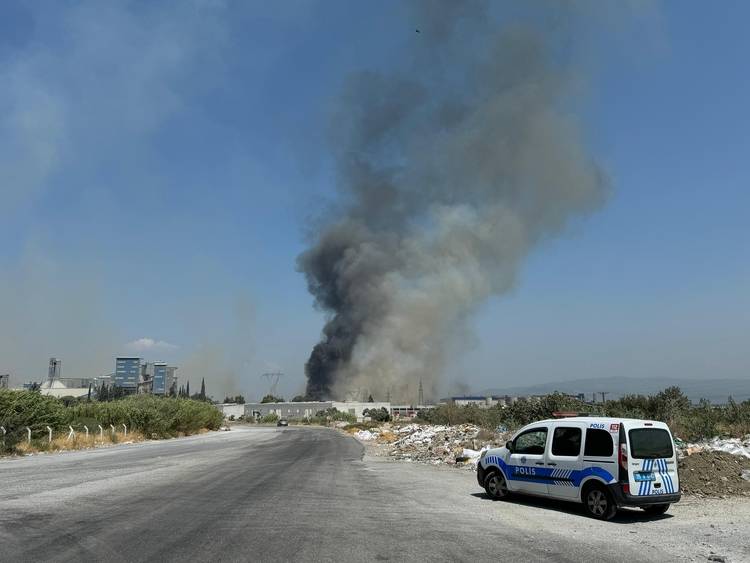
point(451, 170)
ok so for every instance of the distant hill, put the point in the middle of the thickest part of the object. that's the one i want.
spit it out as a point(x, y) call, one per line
point(715, 390)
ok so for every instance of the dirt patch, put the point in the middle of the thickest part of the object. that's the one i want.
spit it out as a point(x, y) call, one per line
point(714, 474)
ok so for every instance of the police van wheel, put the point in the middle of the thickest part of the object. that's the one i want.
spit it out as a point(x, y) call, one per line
point(598, 502)
point(656, 509)
point(496, 485)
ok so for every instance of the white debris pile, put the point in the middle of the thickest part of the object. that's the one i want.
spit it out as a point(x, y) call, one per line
point(367, 435)
point(437, 444)
point(734, 446)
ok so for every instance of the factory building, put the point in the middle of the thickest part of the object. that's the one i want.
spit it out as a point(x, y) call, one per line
point(55, 369)
point(309, 409)
point(132, 374)
point(127, 372)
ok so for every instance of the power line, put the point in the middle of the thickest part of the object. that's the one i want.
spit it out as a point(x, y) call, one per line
point(273, 381)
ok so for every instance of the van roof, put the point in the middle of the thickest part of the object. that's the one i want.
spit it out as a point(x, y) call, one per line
point(604, 419)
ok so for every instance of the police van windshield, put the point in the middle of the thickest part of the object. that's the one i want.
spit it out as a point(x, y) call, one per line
point(650, 443)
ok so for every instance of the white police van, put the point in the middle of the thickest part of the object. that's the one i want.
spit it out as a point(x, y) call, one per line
point(604, 463)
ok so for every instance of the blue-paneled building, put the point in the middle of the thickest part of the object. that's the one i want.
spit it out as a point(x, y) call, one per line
point(160, 379)
point(127, 372)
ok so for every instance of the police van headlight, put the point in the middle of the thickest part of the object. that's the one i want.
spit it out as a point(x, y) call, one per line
point(481, 456)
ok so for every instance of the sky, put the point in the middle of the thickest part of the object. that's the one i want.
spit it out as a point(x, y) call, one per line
point(161, 169)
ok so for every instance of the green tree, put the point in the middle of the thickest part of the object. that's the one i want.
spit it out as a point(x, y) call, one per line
point(669, 405)
point(237, 399)
point(378, 415)
point(203, 389)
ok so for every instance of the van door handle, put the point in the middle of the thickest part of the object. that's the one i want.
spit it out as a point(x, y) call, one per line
point(552, 464)
point(540, 463)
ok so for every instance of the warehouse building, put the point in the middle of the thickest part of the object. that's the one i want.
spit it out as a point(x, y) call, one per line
point(309, 409)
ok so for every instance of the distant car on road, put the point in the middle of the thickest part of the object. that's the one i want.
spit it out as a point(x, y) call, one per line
point(282, 422)
point(604, 463)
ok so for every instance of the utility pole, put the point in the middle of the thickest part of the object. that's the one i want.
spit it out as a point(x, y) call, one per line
point(273, 381)
point(354, 394)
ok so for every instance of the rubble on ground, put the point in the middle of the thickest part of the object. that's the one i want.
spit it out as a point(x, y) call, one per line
point(365, 435)
point(715, 468)
point(459, 445)
point(734, 446)
point(714, 474)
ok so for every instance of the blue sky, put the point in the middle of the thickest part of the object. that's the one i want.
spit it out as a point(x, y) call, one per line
point(159, 168)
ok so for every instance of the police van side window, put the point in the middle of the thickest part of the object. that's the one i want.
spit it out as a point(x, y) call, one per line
point(530, 442)
point(598, 443)
point(566, 441)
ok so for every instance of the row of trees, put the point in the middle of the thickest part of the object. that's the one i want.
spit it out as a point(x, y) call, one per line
point(320, 417)
point(237, 399)
point(106, 392)
point(688, 421)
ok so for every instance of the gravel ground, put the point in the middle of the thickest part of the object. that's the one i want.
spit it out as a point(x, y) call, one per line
point(310, 494)
point(694, 529)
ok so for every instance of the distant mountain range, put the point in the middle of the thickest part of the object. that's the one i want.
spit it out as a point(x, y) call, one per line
point(715, 390)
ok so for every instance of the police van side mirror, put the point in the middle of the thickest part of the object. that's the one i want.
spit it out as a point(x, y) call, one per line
point(509, 445)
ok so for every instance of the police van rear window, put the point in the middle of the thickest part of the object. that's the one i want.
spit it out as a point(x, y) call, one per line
point(648, 443)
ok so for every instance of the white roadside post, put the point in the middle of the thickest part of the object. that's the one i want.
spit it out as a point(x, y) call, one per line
point(112, 426)
point(50, 434)
point(126, 430)
point(3, 429)
point(29, 432)
point(72, 433)
point(87, 431)
point(101, 432)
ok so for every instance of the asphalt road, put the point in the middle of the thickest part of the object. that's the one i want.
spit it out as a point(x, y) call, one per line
point(267, 494)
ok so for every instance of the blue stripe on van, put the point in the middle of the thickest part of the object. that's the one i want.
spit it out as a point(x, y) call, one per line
point(548, 475)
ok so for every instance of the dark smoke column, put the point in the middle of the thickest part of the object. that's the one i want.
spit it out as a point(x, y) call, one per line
point(452, 167)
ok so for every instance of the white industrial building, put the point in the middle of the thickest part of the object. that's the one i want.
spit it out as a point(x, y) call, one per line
point(309, 409)
point(479, 401)
point(231, 410)
point(58, 388)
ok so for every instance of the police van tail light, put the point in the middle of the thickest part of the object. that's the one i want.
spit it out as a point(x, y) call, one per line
point(623, 456)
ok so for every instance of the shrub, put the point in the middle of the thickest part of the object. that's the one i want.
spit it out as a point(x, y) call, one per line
point(153, 416)
point(378, 415)
point(691, 422)
point(19, 409)
point(513, 416)
point(269, 418)
point(333, 414)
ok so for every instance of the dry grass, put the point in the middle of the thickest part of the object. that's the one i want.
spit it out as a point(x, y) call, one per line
point(387, 437)
point(61, 442)
point(485, 435)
